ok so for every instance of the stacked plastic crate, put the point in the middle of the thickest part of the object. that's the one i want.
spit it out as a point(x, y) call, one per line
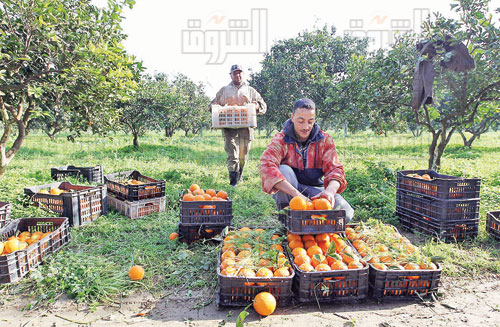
point(446, 207)
point(91, 174)
point(134, 194)
point(204, 219)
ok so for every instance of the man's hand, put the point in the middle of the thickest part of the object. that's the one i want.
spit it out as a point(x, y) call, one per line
point(326, 195)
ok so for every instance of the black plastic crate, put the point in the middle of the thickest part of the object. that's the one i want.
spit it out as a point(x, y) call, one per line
point(329, 286)
point(82, 205)
point(16, 265)
point(232, 291)
point(151, 188)
point(193, 233)
point(206, 212)
point(493, 224)
point(5, 212)
point(438, 209)
point(441, 186)
point(398, 284)
point(91, 174)
point(449, 231)
point(314, 221)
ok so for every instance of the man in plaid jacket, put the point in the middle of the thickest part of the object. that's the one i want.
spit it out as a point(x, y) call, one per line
point(301, 160)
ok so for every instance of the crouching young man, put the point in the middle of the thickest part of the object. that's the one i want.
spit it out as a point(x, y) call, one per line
point(301, 160)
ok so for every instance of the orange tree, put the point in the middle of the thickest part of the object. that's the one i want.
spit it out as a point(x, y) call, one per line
point(72, 41)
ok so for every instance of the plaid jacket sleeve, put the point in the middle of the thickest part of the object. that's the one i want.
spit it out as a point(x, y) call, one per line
point(270, 162)
point(332, 168)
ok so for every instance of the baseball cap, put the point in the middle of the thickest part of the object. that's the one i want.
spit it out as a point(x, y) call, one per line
point(235, 67)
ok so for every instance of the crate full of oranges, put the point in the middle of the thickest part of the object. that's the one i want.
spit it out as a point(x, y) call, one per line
point(327, 268)
point(311, 217)
point(253, 261)
point(397, 267)
point(205, 206)
point(27, 242)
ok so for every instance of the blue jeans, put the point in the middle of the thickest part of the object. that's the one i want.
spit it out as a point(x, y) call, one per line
point(282, 199)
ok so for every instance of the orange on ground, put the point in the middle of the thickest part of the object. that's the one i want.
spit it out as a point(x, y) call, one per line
point(264, 303)
point(136, 272)
point(173, 236)
point(298, 203)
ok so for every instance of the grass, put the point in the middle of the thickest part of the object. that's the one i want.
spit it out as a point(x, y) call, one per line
point(93, 267)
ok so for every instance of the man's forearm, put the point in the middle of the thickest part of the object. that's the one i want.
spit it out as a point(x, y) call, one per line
point(333, 187)
point(286, 187)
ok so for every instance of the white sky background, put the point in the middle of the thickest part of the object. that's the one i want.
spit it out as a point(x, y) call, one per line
point(155, 30)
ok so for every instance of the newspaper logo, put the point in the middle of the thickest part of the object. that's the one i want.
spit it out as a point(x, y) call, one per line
point(240, 36)
point(382, 32)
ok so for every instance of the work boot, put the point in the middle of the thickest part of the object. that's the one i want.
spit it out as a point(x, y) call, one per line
point(234, 177)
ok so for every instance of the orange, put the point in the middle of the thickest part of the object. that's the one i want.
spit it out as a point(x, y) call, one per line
point(245, 229)
point(211, 192)
point(349, 231)
point(331, 258)
point(245, 246)
point(322, 267)
point(314, 250)
point(249, 273)
point(264, 303)
point(322, 204)
point(358, 243)
point(136, 272)
point(379, 266)
point(299, 251)
point(277, 247)
point(228, 254)
point(199, 198)
point(355, 264)
point(306, 267)
point(227, 263)
point(1, 247)
point(308, 244)
point(188, 197)
point(275, 236)
point(227, 246)
point(310, 205)
point(244, 254)
point(412, 266)
point(11, 245)
point(322, 237)
point(194, 187)
point(207, 197)
point(293, 237)
point(324, 246)
point(264, 272)
point(173, 236)
point(338, 265)
point(295, 244)
point(264, 263)
point(318, 259)
point(385, 259)
point(198, 192)
point(222, 195)
point(301, 259)
point(282, 272)
point(298, 203)
point(229, 271)
point(23, 245)
point(308, 237)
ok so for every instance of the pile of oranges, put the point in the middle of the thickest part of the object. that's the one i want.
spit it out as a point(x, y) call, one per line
point(382, 246)
point(323, 252)
point(254, 253)
point(20, 242)
point(299, 203)
point(196, 193)
point(424, 176)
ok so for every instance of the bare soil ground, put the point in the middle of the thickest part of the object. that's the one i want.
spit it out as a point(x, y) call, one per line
point(463, 302)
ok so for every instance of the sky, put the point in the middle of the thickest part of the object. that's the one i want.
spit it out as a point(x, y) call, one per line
point(202, 39)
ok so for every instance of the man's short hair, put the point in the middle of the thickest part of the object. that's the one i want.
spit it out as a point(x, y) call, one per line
point(304, 103)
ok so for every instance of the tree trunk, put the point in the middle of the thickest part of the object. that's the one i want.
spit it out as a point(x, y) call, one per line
point(345, 129)
point(136, 141)
point(186, 132)
point(432, 149)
